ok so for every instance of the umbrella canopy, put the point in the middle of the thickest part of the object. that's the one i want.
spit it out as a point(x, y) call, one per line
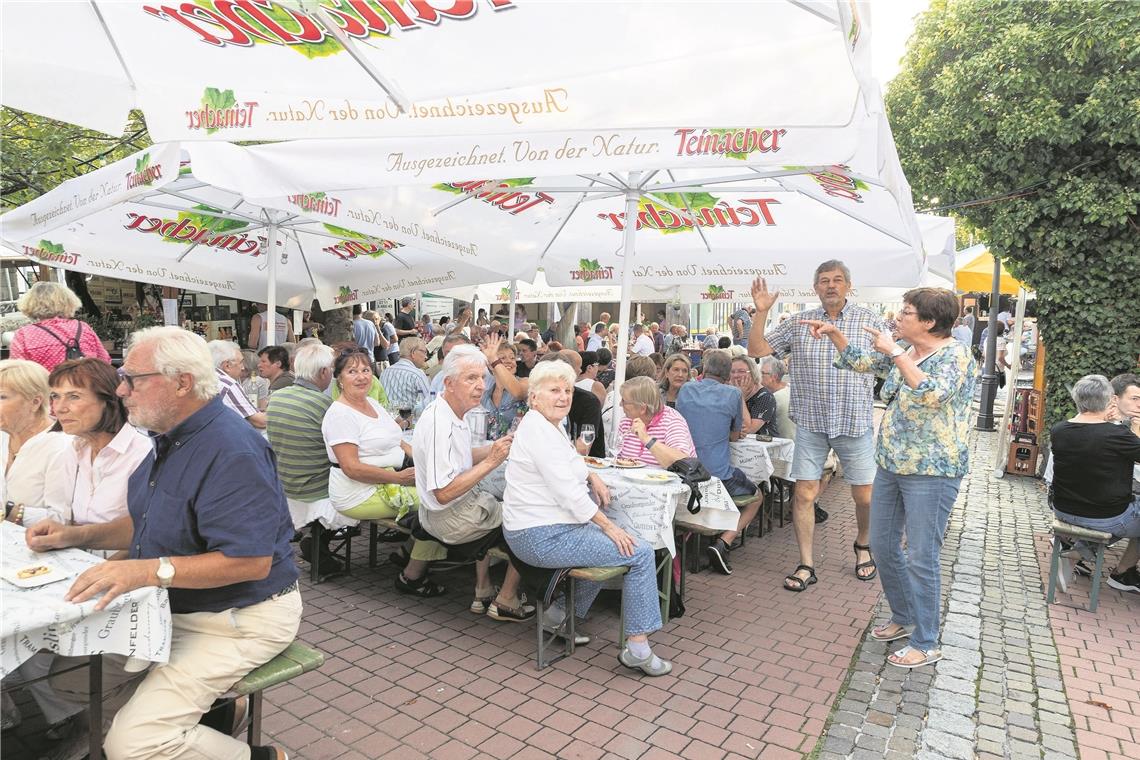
point(538, 291)
point(150, 218)
point(975, 272)
point(255, 69)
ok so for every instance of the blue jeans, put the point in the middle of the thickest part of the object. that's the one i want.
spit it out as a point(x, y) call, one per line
point(912, 580)
point(584, 545)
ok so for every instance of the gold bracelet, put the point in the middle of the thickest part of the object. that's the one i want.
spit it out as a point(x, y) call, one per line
point(19, 518)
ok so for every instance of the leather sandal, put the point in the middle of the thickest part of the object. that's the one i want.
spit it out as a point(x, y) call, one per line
point(800, 583)
point(858, 547)
point(896, 632)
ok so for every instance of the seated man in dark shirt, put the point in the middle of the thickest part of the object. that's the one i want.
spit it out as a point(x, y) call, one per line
point(208, 521)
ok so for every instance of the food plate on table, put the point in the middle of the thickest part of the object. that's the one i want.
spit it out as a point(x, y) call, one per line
point(594, 463)
point(652, 476)
point(35, 574)
point(628, 464)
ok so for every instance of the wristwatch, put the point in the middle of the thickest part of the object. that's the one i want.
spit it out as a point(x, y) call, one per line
point(650, 443)
point(165, 572)
point(899, 351)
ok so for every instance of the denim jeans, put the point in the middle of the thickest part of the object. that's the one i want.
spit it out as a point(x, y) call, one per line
point(912, 581)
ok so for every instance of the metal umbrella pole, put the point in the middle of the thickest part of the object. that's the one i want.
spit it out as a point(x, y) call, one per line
point(271, 297)
point(989, 383)
point(632, 196)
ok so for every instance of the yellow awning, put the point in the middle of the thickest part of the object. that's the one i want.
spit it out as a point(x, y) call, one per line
point(977, 276)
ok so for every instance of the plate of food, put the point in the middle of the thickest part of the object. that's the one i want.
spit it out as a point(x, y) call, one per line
point(595, 463)
point(628, 464)
point(36, 574)
point(652, 476)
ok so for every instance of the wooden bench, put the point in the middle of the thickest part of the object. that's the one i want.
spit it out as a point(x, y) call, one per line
point(1064, 531)
point(566, 631)
point(374, 526)
point(297, 658)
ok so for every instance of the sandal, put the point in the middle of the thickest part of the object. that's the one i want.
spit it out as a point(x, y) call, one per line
point(424, 587)
point(899, 632)
point(858, 547)
point(801, 583)
point(929, 657)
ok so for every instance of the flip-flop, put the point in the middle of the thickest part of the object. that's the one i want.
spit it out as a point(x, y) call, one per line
point(929, 657)
point(901, 633)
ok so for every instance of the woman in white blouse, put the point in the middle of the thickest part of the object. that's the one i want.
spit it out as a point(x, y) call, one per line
point(29, 447)
point(365, 446)
point(551, 516)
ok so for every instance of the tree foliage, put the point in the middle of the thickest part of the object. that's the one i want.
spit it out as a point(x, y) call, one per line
point(1027, 114)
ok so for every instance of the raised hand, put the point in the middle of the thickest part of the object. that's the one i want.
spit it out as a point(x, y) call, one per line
point(762, 298)
point(881, 340)
point(491, 346)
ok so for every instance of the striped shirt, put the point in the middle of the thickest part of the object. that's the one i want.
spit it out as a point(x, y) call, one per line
point(233, 396)
point(405, 384)
point(825, 399)
point(668, 427)
point(294, 425)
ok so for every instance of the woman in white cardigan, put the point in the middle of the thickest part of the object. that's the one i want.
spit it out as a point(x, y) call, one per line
point(551, 515)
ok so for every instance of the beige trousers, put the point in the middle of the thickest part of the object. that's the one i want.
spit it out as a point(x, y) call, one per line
point(209, 653)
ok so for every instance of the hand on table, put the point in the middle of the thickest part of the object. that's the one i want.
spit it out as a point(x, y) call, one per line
point(112, 579)
point(49, 534)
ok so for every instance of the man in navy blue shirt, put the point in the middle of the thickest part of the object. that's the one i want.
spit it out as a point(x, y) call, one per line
point(208, 521)
point(715, 413)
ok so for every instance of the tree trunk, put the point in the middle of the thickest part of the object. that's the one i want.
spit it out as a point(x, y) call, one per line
point(77, 281)
point(338, 325)
point(564, 328)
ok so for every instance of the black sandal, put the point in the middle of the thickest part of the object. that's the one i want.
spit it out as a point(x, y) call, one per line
point(802, 583)
point(858, 547)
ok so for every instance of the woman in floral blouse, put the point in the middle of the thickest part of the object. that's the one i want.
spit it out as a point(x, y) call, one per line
point(922, 454)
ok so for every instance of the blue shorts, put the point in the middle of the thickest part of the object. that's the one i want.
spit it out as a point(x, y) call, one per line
point(738, 484)
point(856, 454)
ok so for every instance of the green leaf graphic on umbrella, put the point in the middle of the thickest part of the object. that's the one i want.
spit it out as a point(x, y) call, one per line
point(683, 202)
point(715, 291)
point(207, 222)
point(142, 163)
point(49, 247)
point(345, 293)
point(327, 46)
point(587, 265)
point(217, 100)
point(487, 188)
point(344, 232)
point(504, 294)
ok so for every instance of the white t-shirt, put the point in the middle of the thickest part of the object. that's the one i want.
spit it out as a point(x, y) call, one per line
point(546, 479)
point(643, 346)
point(25, 482)
point(441, 446)
point(378, 440)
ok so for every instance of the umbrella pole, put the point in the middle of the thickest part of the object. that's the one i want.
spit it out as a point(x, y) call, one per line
point(632, 195)
point(989, 373)
point(511, 313)
point(271, 296)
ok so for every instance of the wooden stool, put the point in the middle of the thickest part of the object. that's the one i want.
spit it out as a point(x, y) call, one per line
point(566, 631)
point(296, 659)
point(1074, 533)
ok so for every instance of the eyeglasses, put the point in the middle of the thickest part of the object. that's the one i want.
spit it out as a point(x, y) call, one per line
point(908, 312)
point(356, 350)
point(129, 379)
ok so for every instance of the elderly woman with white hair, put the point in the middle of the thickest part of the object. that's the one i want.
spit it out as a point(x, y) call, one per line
point(30, 451)
point(55, 332)
point(1093, 459)
point(551, 514)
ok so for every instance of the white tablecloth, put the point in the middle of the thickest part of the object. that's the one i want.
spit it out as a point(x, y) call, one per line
point(136, 624)
point(760, 460)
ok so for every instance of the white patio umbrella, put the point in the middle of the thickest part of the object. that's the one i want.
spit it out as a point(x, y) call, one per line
point(261, 70)
point(150, 218)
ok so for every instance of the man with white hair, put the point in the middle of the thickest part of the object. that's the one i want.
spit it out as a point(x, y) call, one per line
point(228, 362)
point(295, 414)
point(453, 508)
point(208, 521)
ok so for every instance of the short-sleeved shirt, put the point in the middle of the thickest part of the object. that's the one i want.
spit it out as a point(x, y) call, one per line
point(294, 417)
point(45, 343)
point(389, 331)
point(761, 405)
point(667, 426)
point(441, 448)
point(377, 441)
point(712, 410)
point(740, 337)
point(405, 384)
point(406, 321)
point(594, 343)
point(643, 346)
point(364, 333)
point(825, 399)
point(233, 396)
point(211, 485)
point(1092, 468)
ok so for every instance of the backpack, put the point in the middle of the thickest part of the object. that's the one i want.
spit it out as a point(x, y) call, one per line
point(72, 346)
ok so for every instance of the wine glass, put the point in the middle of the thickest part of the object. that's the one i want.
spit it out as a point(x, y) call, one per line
point(586, 433)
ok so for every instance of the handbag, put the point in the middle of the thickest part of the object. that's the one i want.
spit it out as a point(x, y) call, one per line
point(692, 473)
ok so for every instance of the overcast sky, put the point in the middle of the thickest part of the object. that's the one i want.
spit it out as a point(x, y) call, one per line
point(892, 22)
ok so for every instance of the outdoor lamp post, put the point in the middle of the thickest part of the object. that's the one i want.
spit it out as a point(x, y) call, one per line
point(989, 372)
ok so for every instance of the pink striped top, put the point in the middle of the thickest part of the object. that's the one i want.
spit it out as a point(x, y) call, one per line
point(668, 427)
point(34, 344)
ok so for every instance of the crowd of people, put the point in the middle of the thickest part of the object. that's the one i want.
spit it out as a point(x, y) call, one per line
point(410, 417)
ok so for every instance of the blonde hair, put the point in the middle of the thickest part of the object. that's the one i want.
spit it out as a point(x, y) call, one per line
point(548, 372)
point(48, 299)
point(27, 379)
point(670, 360)
point(642, 390)
point(178, 351)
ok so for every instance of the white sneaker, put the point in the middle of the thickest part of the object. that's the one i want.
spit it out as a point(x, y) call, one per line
point(1064, 575)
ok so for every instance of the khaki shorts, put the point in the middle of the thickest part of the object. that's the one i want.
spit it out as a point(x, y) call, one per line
point(468, 518)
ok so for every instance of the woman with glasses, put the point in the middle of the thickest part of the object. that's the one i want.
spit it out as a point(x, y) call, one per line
point(759, 404)
point(922, 453)
point(674, 373)
point(651, 432)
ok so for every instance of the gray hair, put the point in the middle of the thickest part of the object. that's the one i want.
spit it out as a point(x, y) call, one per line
point(178, 351)
point(458, 356)
point(1092, 393)
point(642, 390)
point(222, 351)
point(716, 363)
point(410, 344)
point(753, 367)
point(310, 359)
point(832, 265)
point(545, 373)
point(774, 367)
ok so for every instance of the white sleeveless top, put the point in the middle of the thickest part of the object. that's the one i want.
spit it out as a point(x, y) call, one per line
point(281, 334)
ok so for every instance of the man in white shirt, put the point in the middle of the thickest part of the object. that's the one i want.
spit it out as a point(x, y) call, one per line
point(642, 343)
point(453, 508)
point(598, 338)
point(962, 333)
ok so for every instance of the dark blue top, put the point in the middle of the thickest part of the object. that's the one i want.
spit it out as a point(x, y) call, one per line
point(712, 410)
point(211, 485)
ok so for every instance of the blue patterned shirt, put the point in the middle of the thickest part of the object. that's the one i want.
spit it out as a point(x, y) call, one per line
point(825, 399)
point(404, 383)
point(925, 430)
